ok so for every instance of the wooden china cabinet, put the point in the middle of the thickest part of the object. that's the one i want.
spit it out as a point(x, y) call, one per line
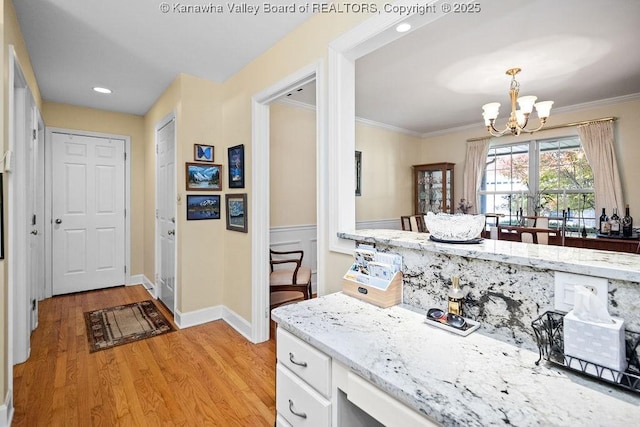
point(433, 188)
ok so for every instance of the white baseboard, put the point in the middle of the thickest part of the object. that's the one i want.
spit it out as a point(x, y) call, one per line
point(210, 314)
point(237, 322)
point(198, 317)
point(6, 410)
point(138, 279)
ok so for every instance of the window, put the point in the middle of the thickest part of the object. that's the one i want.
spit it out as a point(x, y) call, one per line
point(540, 178)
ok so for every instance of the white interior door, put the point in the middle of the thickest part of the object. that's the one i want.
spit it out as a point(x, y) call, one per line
point(166, 213)
point(88, 212)
point(35, 209)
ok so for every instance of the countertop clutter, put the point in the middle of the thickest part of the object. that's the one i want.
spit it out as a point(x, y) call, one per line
point(475, 380)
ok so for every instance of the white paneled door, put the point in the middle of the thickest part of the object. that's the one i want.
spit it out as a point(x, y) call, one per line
point(88, 212)
point(166, 212)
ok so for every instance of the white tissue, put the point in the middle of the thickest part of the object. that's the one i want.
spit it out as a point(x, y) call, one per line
point(587, 307)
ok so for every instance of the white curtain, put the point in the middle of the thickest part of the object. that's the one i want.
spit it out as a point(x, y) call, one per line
point(599, 146)
point(474, 166)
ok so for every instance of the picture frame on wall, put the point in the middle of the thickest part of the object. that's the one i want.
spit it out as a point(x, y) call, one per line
point(236, 166)
point(203, 206)
point(203, 153)
point(236, 205)
point(203, 177)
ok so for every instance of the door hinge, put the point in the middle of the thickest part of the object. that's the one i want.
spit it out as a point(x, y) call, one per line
point(125, 269)
point(125, 157)
point(125, 213)
point(156, 148)
point(33, 305)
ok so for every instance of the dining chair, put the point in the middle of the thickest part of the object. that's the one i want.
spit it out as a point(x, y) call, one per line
point(542, 238)
point(289, 280)
point(413, 223)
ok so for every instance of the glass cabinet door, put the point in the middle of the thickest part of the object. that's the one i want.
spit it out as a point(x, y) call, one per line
point(433, 184)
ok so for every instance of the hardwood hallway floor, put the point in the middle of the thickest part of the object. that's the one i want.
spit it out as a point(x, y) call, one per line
point(203, 375)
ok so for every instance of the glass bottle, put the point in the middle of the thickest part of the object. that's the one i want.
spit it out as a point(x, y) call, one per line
point(615, 223)
point(627, 223)
point(604, 223)
point(456, 295)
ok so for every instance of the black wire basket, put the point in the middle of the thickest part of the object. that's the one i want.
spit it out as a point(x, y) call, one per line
point(548, 329)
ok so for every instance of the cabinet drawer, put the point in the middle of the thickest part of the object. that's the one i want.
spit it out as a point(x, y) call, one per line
point(311, 365)
point(298, 403)
point(281, 422)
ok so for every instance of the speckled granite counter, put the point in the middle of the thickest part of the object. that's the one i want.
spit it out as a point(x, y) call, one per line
point(510, 283)
point(458, 381)
point(612, 265)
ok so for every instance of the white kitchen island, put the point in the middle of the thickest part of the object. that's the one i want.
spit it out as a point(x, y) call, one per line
point(476, 380)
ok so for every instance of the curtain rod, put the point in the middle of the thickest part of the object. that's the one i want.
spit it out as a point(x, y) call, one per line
point(566, 125)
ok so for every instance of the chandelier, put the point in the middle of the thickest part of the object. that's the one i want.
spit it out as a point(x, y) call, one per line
point(519, 118)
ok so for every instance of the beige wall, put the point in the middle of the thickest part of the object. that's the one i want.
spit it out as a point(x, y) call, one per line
point(387, 177)
point(92, 120)
point(199, 244)
point(452, 147)
point(292, 165)
point(300, 48)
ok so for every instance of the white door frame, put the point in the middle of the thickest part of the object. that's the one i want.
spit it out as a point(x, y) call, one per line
point(260, 197)
point(156, 285)
point(48, 200)
point(372, 34)
point(18, 295)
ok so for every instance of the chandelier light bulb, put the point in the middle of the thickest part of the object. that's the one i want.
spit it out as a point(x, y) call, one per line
point(544, 109)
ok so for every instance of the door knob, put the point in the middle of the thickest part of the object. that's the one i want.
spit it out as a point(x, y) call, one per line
point(58, 221)
point(34, 232)
point(171, 232)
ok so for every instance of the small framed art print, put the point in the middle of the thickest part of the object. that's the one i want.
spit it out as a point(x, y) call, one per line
point(203, 153)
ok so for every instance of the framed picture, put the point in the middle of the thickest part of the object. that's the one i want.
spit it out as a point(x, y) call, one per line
point(236, 166)
point(203, 177)
point(203, 153)
point(203, 207)
point(358, 173)
point(237, 212)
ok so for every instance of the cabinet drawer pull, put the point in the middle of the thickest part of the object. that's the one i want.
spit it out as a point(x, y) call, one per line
point(297, 414)
point(303, 364)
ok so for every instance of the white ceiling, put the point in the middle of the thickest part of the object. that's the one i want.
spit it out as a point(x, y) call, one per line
point(436, 77)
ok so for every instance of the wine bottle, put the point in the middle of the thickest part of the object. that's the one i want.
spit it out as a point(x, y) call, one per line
point(603, 228)
point(615, 223)
point(627, 223)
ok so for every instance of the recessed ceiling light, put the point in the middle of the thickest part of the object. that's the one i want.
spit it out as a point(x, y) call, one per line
point(102, 89)
point(403, 28)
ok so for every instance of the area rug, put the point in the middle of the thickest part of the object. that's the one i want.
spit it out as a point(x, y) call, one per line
point(110, 327)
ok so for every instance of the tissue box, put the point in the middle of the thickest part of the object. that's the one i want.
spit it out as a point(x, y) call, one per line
point(599, 343)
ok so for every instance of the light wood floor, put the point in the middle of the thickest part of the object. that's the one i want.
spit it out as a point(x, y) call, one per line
point(203, 375)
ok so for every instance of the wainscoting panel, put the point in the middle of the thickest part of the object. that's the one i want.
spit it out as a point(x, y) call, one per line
point(386, 224)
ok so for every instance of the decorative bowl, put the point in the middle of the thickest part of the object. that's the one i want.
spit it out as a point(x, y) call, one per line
point(454, 227)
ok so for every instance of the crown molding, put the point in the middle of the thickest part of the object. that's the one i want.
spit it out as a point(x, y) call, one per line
point(473, 126)
point(561, 110)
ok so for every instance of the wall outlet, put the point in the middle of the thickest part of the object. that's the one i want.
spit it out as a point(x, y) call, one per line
point(565, 284)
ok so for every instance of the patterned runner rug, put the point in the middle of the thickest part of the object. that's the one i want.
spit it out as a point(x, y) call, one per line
point(110, 327)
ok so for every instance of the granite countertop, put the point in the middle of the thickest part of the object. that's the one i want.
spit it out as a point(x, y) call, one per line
point(591, 262)
point(458, 381)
